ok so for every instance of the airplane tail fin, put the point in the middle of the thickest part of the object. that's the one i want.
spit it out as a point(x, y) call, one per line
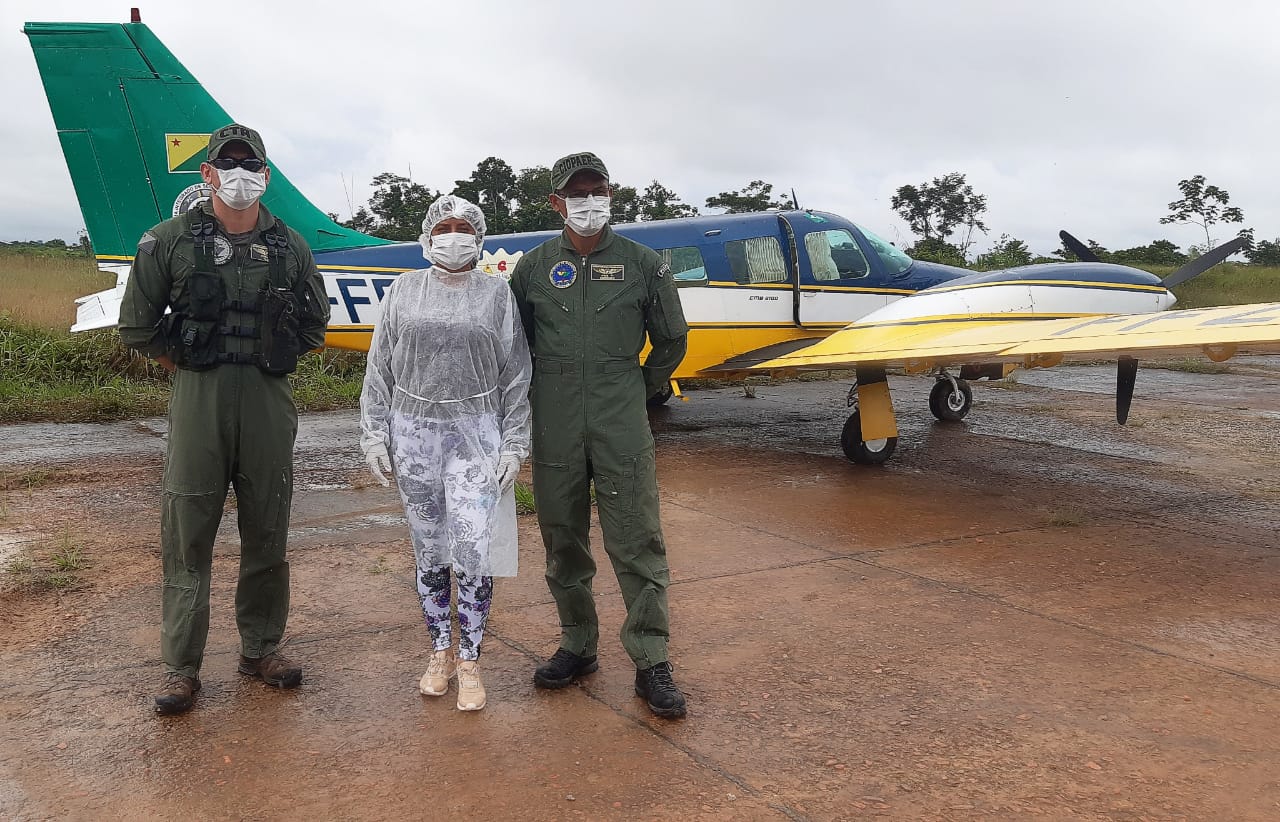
point(134, 125)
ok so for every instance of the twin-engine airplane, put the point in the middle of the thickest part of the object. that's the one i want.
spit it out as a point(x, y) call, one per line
point(759, 290)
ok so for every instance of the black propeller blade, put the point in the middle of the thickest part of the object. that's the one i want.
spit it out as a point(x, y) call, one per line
point(1082, 251)
point(1204, 262)
point(1126, 377)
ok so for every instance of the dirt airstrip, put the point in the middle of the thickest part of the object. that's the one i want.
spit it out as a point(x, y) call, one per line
point(1031, 614)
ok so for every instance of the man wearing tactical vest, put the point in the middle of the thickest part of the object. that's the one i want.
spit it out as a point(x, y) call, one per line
point(245, 299)
point(588, 298)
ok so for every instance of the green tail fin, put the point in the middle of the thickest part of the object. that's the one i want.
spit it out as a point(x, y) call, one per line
point(133, 124)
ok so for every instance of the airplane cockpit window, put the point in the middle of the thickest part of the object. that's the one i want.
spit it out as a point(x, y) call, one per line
point(835, 256)
point(756, 260)
point(895, 262)
point(687, 267)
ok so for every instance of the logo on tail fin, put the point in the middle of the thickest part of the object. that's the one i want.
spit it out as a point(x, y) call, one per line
point(191, 197)
point(185, 152)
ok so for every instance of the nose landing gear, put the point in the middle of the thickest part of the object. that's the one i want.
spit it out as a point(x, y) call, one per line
point(951, 398)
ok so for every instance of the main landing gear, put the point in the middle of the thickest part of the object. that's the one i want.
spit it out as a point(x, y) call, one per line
point(870, 435)
point(864, 452)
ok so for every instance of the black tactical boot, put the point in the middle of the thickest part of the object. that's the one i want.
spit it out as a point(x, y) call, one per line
point(563, 668)
point(659, 690)
point(178, 694)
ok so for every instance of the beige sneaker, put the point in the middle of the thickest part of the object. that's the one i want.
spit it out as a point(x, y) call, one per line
point(471, 696)
point(435, 682)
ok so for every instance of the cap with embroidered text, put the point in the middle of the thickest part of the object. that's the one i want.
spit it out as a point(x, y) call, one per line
point(233, 133)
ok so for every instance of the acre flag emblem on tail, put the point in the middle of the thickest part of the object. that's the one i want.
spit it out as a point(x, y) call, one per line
point(185, 152)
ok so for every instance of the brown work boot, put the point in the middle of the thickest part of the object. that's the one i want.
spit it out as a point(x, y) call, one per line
point(178, 694)
point(274, 669)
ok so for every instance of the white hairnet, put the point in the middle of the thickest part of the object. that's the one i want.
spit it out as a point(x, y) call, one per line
point(451, 205)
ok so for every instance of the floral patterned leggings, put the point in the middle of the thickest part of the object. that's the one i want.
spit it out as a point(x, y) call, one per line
point(474, 597)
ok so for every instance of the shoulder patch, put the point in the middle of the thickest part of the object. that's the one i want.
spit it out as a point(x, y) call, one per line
point(664, 270)
point(147, 244)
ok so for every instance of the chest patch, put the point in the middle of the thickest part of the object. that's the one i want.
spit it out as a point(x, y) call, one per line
point(610, 273)
point(258, 251)
point(563, 274)
point(221, 249)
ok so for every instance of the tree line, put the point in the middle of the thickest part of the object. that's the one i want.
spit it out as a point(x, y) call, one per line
point(516, 201)
point(946, 213)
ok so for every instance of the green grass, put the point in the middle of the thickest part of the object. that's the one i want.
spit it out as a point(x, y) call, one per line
point(55, 376)
point(524, 500)
point(68, 556)
point(58, 571)
point(41, 288)
point(1228, 284)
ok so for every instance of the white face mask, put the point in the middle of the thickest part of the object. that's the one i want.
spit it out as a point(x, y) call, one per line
point(454, 251)
point(240, 189)
point(586, 215)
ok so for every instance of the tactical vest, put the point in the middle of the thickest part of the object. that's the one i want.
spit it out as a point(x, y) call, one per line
point(197, 337)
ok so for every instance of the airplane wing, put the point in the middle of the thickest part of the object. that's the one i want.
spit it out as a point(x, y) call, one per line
point(927, 342)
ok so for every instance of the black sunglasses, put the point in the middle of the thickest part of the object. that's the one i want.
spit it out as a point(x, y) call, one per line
point(252, 164)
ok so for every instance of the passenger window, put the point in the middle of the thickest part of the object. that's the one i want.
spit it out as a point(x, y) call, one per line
point(686, 265)
point(757, 260)
point(835, 255)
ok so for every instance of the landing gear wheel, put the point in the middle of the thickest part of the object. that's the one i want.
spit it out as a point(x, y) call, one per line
point(864, 453)
point(661, 397)
point(948, 405)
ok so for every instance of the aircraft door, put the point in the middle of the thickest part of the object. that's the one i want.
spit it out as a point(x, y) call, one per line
point(837, 283)
point(760, 301)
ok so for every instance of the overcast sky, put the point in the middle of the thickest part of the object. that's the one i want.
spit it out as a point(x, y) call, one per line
point(1081, 115)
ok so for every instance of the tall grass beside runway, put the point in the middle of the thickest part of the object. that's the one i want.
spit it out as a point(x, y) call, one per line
point(51, 375)
point(40, 289)
point(48, 374)
point(1228, 284)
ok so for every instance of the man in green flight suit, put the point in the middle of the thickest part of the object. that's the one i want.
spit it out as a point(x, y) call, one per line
point(245, 299)
point(588, 298)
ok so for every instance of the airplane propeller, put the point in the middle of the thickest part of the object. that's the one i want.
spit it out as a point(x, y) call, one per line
point(1127, 367)
point(1194, 268)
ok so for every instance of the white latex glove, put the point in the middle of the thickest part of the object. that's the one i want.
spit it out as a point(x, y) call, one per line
point(508, 468)
point(379, 463)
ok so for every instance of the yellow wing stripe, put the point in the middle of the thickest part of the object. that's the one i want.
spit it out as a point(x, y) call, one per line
point(1072, 283)
point(1207, 330)
point(850, 289)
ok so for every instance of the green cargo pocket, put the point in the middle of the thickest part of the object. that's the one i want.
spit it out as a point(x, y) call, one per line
point(616, 498)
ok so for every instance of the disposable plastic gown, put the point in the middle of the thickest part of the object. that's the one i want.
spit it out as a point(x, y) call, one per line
point(446, 390)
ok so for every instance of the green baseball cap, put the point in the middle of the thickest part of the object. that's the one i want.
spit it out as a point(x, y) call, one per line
point(233, 133)
point(566, 167)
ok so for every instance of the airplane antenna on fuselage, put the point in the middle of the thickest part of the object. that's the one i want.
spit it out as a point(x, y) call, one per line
point(135, 15)
point(795, 201)
point(351, 204)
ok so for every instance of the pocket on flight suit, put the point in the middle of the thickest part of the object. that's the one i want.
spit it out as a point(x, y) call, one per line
point(615, 497)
